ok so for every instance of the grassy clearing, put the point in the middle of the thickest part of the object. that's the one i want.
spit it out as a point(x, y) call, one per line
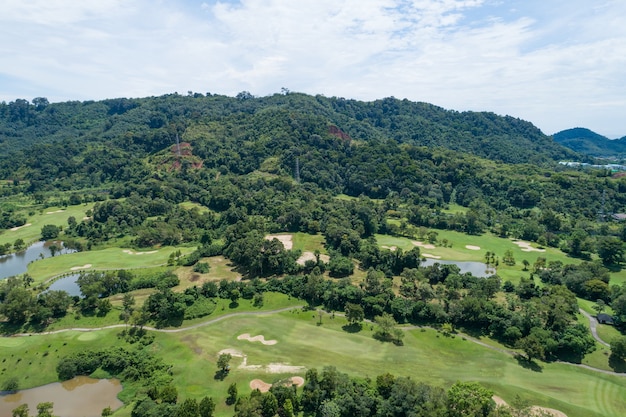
point(109, 258)
point(51, 215)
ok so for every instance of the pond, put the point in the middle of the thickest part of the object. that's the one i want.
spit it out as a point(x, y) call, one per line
point(17, 263)
point(79, 397)
point(478, 269)
point(68, 284)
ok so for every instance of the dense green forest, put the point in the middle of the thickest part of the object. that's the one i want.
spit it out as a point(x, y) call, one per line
point(590, 143)
point(218, 174)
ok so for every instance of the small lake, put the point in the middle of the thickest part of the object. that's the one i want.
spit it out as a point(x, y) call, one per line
point(478, 269)
point(79, 397)
point(68, 284)
point(17, 263)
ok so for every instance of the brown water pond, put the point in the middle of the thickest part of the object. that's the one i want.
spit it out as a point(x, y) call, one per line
point(79, 397)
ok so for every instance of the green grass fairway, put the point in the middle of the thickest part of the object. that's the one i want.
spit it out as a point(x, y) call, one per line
point(110, 258)
point(51, 215)
point(487, 242)
point(426, 356)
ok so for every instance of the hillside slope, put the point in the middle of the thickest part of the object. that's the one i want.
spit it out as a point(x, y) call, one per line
point(590, 143)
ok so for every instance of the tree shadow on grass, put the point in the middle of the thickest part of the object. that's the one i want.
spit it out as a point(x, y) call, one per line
point(617, 364)
point(528, 364)
point(220, 374)
point(352, 328)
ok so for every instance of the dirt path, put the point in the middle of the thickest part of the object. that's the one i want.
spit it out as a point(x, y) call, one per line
point(154, 329)
point(593, 326)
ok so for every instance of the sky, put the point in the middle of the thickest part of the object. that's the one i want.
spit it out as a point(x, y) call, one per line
point(556, 63)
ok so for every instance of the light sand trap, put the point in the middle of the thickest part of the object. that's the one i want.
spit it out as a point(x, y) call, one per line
point(423, 245)
point(13, 229)
point(286, 240)
point(265, 387)
point(74, 268)
point(472, 247)
point(260, 385)
point(272, 368)
point(551, 411)
point(429, 255)
point(130, 252)
point(259, 338)
point(87, 218)
point(233, 352)
point(525, 246)
point(310, 256)
point(56, 211)
point(391, 248)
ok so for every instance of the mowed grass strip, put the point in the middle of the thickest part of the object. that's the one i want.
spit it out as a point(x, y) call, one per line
point(105, 259)
point(52, 215)
point(426, 356)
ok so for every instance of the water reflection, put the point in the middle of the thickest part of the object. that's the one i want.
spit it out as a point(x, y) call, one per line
point(68, 284)
point(17, 263)
point(79, 397)
point(478, 269)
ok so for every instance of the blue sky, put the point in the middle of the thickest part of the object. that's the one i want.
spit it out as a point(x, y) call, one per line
point(556, 63)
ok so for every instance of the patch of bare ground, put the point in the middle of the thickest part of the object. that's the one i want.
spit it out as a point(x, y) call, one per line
point(259, 338)
point(13, 229)
point(428, 255)
point(472, 247)
point(310, 256)
point(526, 247)
point(423, 245)
point(286, 240)
point(265, 387)
point(535, 409)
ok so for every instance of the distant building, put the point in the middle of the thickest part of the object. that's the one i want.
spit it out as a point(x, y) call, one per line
point(604, 318)
point(620, 217)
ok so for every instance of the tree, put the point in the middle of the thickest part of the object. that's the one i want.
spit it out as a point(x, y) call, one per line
point(469, 399)
point(20, 411)
point(386, 330)
point(45, 409)
point(232, 394)
point(49, 232)
point(599, 306)
point(532, 347)
point(206, 408)
point(611, 250)
point(188, 408)
point(106, 412)
point(354, 313)
point(508, 258)
point(19, 245)
point(618, 347)
point(223, 362)
point(169, 394)
point(269, 405)
point(10, 384)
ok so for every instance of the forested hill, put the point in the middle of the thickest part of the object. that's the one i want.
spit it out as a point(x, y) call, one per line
point(590, 143)
point(152, 122)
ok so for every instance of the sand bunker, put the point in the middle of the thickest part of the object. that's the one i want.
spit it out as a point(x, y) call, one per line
point(74, 268)
point(429, 255)
point(130, 252)
point(233, 352)
point(265, 387)
point(272, 368)
point(423, 245)
point(56, 211)
point(286, 240)
point(391, 248)
point(535, 408)
point(525, 246)
point(13, 229)
point(259, 338)
point(260, 385)
point(472, 247)
point(310, 256)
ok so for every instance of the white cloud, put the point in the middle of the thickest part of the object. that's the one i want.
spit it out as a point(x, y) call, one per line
point(558, 64)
